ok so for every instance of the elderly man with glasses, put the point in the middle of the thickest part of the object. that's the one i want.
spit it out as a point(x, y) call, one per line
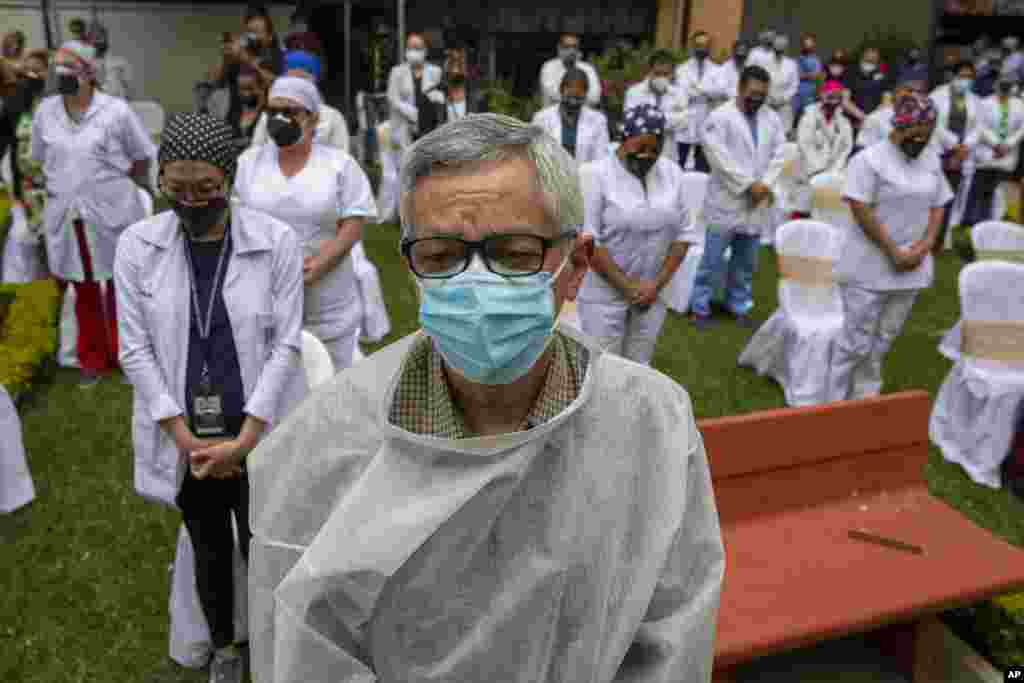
point(491, 498)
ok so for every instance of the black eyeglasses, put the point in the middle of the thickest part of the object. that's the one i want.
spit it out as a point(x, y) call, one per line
point(508, 255)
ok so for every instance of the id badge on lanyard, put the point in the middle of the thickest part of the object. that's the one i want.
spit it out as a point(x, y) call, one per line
point(207, 400)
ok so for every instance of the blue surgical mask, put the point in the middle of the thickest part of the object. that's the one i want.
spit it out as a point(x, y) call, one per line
point(490, 328)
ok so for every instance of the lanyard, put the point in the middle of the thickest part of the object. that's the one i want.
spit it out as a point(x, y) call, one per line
point(204, 322)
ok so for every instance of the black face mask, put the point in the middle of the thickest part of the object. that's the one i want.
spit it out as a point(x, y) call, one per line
point(640, 166)
point(68, 84)
point(284, 132)
point(740, 60)
point(101, 50)
point(573, 105)
point(249, 100)
point(199, 220)
point(701, 52)
point(913, 148)
point(1005, 88)
point(34, 86)
point(753, 104)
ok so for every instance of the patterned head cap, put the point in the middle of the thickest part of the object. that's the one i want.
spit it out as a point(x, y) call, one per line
point(199, 137)
point(643, 119)
point(77, 59)
point(912, 110)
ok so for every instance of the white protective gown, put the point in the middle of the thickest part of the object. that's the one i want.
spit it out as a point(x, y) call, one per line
point(697, 83)
point(86, 167)
point(591, 131)
point(551, 75)
point(674, 104)
point(637, 226)
point(825, 148)
point(876, 298)
point(331, 187)
point(534, 557)
point(16, 487)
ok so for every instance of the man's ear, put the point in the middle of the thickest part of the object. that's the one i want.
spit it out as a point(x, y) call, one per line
point(581, 258)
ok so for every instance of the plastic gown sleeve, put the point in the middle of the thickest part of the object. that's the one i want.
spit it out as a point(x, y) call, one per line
point(718, 148)
point(284, 356)
point(408, 111)
point(135, 347)
point(675, 641)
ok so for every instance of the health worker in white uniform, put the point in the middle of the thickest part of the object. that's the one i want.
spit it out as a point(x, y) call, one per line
point(323, 194)
point(824, 139)
point(696, 78)
point(95, 153)
point(897, 191)
point(582, 131)
point(635, 207)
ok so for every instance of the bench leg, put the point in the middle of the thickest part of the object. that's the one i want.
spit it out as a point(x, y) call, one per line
point(911, 647)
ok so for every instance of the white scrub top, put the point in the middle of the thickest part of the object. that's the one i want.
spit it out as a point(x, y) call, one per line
point(86, 166)
point(901, 192)
point(542, 556)
point(637, 225)
point(329, 188)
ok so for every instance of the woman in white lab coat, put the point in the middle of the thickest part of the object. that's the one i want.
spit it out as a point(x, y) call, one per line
point(414, 76)
point(582, 131)
point(210, 324)
point(897, 191)
point(323, 194)
point(824, 140)
point(635, 208)
point(94, 152)
point(1002, 130)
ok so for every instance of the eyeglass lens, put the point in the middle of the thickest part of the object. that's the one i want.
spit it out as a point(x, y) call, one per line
point(503, 254)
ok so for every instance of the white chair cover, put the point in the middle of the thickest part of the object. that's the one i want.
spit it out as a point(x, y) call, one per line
point(22, 253)
point(989, 238)
point(679, 289)
point(316, 361)
point(376, 324)
point(190, 643)
point(787, 192)
point(973, 417)
point(826, 193)
point(794, 346)
point(16, 488)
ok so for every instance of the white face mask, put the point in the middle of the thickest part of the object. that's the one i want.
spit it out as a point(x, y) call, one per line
point(868, 67)
point(415, 56)
point(659, 84)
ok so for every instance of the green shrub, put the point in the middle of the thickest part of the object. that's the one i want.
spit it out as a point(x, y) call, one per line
point(500, 100)
point(28, 337)
point(994, 628)
point(619, 69)
point(893, 45)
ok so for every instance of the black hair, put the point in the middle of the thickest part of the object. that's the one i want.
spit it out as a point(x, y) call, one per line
point(259, 12)
point(661, 57)
point(754, 73)
point(574, 75)
point(964, 64)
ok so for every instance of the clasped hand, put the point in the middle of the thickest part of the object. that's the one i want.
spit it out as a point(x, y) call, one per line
point(216, 458)
point(642, 293)
point(909, 258)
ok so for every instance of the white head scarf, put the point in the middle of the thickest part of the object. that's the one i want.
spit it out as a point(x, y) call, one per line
point(297, 90)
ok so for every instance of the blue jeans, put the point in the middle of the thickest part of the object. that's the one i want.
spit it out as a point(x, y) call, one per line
point(739, 287)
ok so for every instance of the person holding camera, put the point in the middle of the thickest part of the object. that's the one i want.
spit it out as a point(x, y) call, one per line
point(258, 48)
point(554, 70)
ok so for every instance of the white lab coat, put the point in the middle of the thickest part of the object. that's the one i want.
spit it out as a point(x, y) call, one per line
point(86, 168)
point(991, 114)
point(784, 85)
point(824, 147)
point(942, 96)
point(759, 55)
point(674, 104)
point(330, 187)
point(724, 83)
point(591, 131)
point(736, 163)
point(638, 225)
point(901, 192)
point(115, 76)
point(331, 130)
point(404, 115)
point(539, 556)
point(696, 85)
point(877, 127)
point(262, 290)
point(551, 82)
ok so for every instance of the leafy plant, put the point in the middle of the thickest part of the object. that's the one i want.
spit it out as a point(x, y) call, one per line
point(500, 100)
point(892, 45)
point(29, 335)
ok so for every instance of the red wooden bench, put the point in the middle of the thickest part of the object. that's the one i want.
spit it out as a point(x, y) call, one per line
point(792, 484)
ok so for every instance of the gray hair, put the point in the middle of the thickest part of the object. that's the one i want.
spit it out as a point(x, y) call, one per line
point(495, 137)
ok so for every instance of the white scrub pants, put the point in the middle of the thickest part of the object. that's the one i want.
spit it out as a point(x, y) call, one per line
point(622, 329)
point(871, 322)
point(387, 194)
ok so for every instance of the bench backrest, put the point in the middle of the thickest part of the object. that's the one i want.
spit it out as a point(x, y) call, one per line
point(774, 460)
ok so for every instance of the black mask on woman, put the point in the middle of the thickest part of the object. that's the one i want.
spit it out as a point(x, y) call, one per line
point(1004, 87)
point(34, 87)
point(913, 148)
point(572, 104)
point(249, 101)
point(640, 166)
point(751, 105)
point(68, 84)
point(199, 220)
point(284, 131)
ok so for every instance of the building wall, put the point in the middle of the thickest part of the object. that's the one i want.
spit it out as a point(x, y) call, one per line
point(839, 24)
point(170, 45)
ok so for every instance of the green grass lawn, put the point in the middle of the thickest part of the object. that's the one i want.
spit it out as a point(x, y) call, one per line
point(83, 571)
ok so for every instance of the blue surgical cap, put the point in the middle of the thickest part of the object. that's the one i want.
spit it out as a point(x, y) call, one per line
point(297, 59)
